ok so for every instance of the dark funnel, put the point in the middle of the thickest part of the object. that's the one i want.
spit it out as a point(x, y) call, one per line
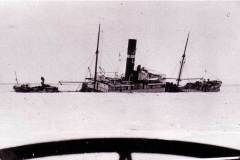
point(130, 59)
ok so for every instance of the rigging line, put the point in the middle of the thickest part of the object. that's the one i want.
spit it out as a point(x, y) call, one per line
point(119, 62)
point(107, 60)
point(73, 72)
point(90, 59)
point(212, 74)
point(78, 87)
point(69, 74)
point(195, 58)
point(90, 65)
point(122, 59)
point(102, 56)
point(101, 49)
point(7, 83)
point(108, 63)
point(174, 71)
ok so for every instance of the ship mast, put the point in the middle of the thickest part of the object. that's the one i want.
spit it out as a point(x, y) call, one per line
point(182, 62)
point(16, 77)
point(96, 61)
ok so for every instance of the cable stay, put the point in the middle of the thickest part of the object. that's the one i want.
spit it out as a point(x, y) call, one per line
point(206, 73)
point(198, 78)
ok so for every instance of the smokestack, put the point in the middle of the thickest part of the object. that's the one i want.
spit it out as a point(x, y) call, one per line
point(130, 58)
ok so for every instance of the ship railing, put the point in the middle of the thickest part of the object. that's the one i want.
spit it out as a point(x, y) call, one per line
point(123, 85)
point(155, 84)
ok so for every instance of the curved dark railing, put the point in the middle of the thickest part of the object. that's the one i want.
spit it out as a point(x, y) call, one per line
point(123, 146)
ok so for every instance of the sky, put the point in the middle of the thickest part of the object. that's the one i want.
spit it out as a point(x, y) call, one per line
point(57, 39)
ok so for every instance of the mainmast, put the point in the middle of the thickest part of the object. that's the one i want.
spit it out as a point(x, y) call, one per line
point(96, 61)
point(182, 62)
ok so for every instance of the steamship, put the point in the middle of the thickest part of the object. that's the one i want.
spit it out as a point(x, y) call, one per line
point(141, 80)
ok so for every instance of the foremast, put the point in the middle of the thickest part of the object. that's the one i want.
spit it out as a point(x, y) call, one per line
point(96, 61)
point(182, 62)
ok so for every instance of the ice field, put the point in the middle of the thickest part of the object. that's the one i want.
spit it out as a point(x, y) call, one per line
point(200, 117)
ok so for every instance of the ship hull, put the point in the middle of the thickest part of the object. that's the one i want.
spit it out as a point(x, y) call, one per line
point(196, 90)
point(210, 86)
point(203, 86)
point(24, 88)
point(198, 86)
point(125, 88)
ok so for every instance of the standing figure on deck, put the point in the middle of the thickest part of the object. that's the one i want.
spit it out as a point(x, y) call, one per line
point(42, 81)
